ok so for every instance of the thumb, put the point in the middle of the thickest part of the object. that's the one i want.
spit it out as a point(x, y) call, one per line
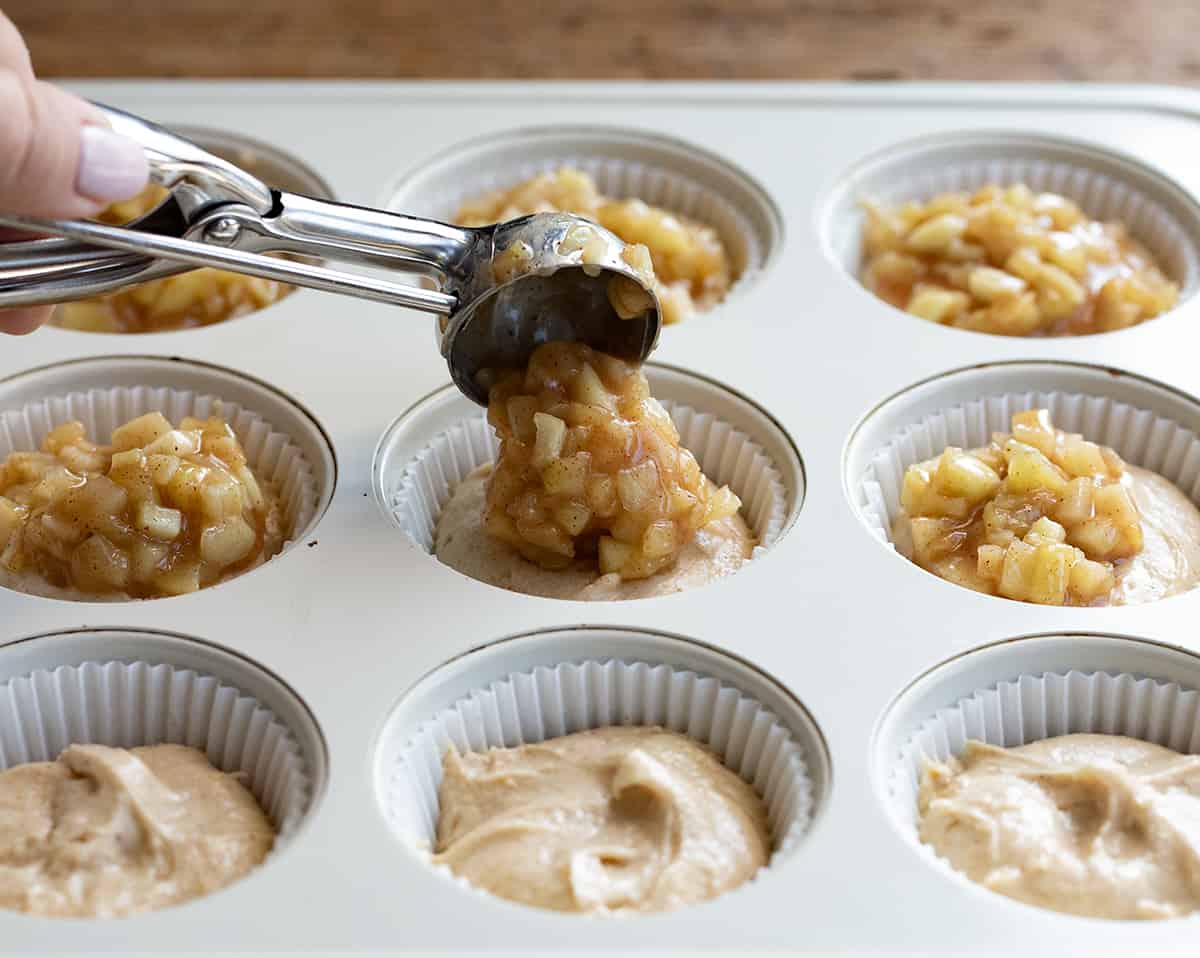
point(57, 155)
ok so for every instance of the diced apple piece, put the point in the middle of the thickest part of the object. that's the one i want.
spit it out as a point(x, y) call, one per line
point(916, 485)
point(68, 434)
point(520, 417)
point(602, 495)
point(98, 500)
point(175, 442)
point(1034, 428)
point(722, 504)
point(497, 524)
point(588, 388)
point(546, 536)
point(990, 562)
point(1076, 504)
point(613, 555)
point(131, 471)
point(934, 235)
point(56, 483)
point(550, 434)
point(159, 522)
point(638, 486)
point(228, 543)
point(180, 579)
point(990, 284)
point(1016, 577)
point(573, 517)
point(1082, 458)
point(252, 491)
point(1091, 580)
point(959, 474)
point(162, 468)
point(140, 432)
point(221, 496)
point(660, 539)
point(99, 566)
point(1046, 530)
point(183, 491)
point(82, 459)
point(937, 304)
point(1029, 470)
point(1052, 564)
point(567, 477)
point(146, 559)
point(1098, 538)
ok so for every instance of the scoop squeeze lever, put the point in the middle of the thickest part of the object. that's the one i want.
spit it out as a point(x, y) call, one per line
point(502, 290)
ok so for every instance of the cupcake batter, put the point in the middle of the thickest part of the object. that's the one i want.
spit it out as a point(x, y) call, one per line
point(1096, 825)
point(103, 832)
point(1169, 562)
point(460, 541)
point(609, 821)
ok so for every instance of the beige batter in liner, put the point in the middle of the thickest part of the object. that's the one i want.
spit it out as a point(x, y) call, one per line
point(612, 820)
point(1097, 825)
point(104, 832)
point(460, 541)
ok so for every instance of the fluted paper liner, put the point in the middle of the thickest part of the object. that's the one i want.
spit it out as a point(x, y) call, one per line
point(1102, 195)
point(749, 235)
point(271, 454)
point(1035, 707)
point(726, 455)
point(125, 705)
point(1140, 437)
point(548, 702)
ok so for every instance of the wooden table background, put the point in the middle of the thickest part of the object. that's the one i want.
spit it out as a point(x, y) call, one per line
point(1109, 40)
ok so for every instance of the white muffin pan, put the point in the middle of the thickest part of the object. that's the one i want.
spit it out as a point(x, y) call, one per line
point(361, 647)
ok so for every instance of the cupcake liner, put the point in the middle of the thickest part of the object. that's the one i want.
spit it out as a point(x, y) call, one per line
point(726, 455)
point(1139, 436)
point(625, 164)
point(272, 455)
point(552, 701)
point(129, 704)
point(1107, 186)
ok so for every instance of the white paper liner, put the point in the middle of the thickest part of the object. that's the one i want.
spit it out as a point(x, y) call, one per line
point(1140, 437)
point(548, 702)
point(125, 705)
point(747, 240)
point(271, 455)
point(726, 455)
point(1035, 707)
point(1101, 195)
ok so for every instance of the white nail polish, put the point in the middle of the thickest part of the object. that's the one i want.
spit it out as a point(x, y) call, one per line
point(111, 167)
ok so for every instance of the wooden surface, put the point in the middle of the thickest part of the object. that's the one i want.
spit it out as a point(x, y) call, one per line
point(1111, 40)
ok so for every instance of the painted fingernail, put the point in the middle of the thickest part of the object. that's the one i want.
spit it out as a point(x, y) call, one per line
point(111, 167)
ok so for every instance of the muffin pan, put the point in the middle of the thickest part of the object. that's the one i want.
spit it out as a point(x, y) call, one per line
point(358, 643)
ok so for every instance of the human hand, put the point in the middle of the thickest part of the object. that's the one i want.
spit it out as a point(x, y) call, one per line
point(58, 157)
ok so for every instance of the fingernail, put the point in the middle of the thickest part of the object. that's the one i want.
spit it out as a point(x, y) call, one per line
point(111, 167)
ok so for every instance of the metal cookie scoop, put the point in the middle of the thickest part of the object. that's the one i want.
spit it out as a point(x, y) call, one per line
point(505, 289)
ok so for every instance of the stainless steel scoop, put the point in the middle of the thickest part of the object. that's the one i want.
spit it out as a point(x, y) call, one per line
point(504, 289)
